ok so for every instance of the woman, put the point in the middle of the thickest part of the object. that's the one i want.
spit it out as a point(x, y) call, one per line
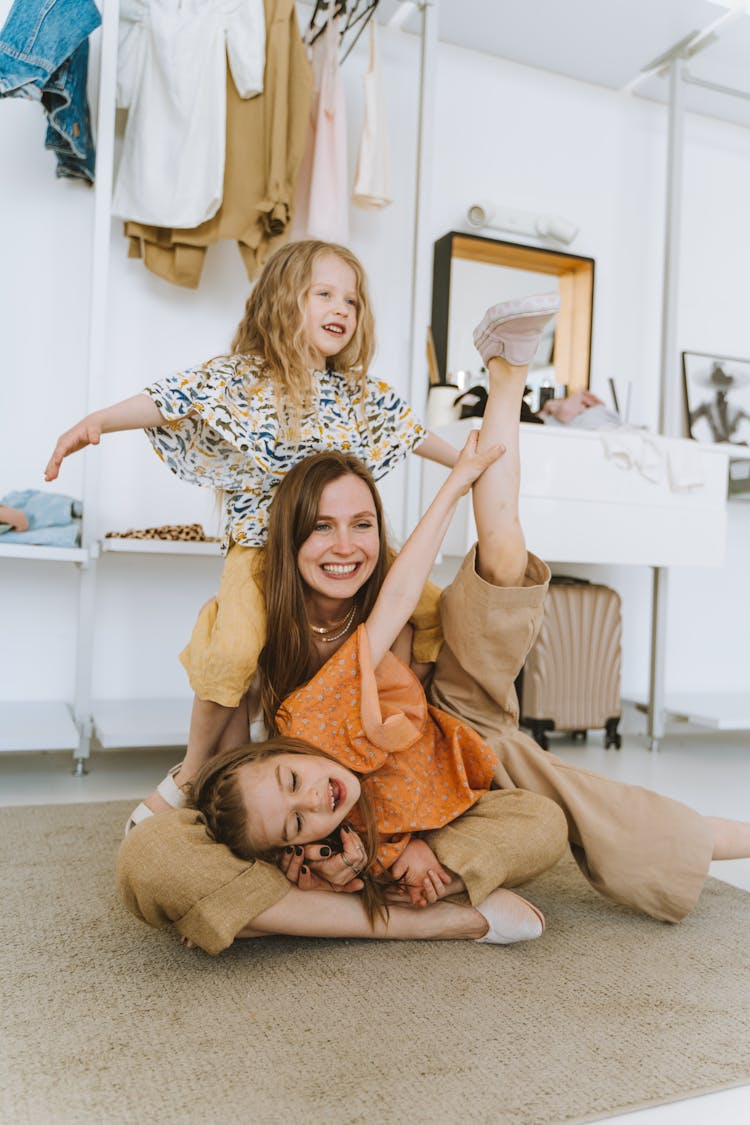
point(490, 615)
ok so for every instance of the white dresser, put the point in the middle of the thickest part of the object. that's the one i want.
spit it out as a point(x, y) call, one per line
point(579, 505)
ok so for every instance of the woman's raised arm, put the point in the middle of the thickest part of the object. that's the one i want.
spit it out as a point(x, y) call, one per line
point(411, 569)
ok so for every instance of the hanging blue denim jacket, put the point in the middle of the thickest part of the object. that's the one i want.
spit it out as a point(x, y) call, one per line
point(44, 56)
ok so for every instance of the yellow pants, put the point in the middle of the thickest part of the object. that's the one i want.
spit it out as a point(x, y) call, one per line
point(222, 654)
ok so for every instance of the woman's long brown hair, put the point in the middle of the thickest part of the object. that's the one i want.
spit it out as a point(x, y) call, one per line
point(215, 792)
point(289, 658)
point(273, 326)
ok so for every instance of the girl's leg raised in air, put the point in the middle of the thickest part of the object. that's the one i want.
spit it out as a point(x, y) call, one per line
point(507, 340)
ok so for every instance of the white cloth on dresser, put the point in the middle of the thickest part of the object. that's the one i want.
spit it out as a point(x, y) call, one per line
point(372, 183)
point(656, 458)
point(172, 78)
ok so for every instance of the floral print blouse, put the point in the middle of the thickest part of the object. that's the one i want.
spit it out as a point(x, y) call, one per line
point(424, 767)
point(223, 430)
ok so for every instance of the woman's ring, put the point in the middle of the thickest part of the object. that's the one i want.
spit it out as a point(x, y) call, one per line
point(355, 869)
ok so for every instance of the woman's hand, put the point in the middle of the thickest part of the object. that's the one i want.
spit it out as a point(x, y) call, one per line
point(471, 463)
point(316, 867)
point(425, 877)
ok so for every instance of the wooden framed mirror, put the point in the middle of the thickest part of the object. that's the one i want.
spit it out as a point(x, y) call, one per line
point(471, 272)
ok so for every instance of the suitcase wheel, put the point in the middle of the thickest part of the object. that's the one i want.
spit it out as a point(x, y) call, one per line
point(539, 728)
point(582, 734)
point(612, 736)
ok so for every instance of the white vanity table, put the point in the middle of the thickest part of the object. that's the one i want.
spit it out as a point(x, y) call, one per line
point(578, 505)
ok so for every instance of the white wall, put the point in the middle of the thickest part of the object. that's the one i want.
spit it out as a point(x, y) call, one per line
point(526, 138)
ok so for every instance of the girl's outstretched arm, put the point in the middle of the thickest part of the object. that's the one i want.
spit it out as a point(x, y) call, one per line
point(437, 449)
point(136, 413)
point(411, 569)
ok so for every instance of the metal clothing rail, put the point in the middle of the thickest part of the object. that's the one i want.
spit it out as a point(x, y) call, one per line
point(673, 63)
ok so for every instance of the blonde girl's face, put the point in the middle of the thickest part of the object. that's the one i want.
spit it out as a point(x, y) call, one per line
point(342, 551)
point(330, 315)
point(295, 799)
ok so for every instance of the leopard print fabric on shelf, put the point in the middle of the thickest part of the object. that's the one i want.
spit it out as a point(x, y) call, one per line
point(176, 532)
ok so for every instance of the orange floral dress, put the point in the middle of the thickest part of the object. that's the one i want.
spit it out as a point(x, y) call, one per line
point(424, 767)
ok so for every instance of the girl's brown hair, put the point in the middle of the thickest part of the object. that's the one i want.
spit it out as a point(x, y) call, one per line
point(273, 327)
point(215, 792)
point(289, 657)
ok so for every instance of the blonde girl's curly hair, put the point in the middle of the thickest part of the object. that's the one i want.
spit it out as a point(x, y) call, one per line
point(273, 327)
point(216, 793)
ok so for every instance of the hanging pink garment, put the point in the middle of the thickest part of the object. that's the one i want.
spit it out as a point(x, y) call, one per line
point(322, 202)
point(372, 183)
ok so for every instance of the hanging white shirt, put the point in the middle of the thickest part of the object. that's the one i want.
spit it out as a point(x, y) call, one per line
point(372, 182)
point(172, 78)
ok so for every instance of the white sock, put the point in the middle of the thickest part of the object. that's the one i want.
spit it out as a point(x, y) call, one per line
point(510, 918)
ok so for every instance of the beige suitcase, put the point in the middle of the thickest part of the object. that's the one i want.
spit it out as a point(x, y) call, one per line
point(571, 679)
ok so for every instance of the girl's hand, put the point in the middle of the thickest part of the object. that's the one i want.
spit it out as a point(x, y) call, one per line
point(300, 873)
point(316, 867)
point(86, 432)
point(471, 464)
point(424, 875)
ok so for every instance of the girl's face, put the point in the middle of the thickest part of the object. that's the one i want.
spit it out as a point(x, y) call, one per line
point(295, 799)
point(330, 308)
point(342, 551)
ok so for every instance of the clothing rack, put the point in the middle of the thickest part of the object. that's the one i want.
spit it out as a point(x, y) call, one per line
point(70, 724)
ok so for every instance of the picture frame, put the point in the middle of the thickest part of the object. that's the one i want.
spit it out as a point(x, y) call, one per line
point(717, 397)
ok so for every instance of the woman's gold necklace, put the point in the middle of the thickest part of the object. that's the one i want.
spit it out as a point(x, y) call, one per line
point(326, 635)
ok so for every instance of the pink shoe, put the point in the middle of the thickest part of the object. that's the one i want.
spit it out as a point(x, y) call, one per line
point(510, 918)
point(513, 329)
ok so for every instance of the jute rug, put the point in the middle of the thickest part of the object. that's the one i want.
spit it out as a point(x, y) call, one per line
point(105, 1021)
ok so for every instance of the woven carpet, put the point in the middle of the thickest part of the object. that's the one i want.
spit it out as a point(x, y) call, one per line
point(105, 1021)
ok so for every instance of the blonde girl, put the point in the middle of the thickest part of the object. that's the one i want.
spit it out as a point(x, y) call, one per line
point(295, 382)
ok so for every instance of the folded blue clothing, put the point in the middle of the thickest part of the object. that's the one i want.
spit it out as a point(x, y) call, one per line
point(42, 509)
point(60, 536)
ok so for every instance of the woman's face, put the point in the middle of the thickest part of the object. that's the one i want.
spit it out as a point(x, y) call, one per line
point(343, 548)
point(295, 799)
point(330, 308)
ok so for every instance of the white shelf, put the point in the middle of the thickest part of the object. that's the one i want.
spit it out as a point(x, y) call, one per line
point(37, 726)
point(43, 554)
point(159, 547)
point(716, 710)
point(120, 723)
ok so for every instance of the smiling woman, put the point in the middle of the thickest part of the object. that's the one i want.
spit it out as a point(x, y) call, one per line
point(449, 813)
point(339, 555)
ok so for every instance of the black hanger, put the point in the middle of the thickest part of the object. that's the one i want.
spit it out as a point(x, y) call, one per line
point(358, 14)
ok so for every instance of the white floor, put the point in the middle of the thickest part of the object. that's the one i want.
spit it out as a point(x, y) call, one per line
point(709, 772)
